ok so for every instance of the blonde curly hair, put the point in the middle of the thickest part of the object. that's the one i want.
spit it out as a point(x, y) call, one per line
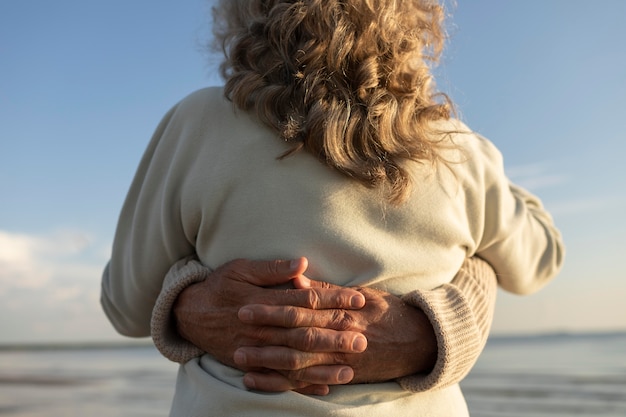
point(348, 80)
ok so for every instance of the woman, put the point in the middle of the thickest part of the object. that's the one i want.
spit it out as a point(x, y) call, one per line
point(328, 141)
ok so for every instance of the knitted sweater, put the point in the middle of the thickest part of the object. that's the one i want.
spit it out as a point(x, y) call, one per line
point(210, 185)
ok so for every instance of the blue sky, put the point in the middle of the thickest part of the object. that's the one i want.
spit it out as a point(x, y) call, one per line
point(83, 84)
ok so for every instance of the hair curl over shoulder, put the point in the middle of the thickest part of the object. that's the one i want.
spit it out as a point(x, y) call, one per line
point(347, 80)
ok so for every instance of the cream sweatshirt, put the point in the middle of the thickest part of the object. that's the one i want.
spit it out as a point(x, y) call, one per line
point(210, 185)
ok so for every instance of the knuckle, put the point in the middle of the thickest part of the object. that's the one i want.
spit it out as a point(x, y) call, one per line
point(296, 376)
point(341, 320)
point(339, 358)
point(261, 336)
point(340, 299)
point(292, 362)
point(313, 299)
point(291, 316)
point(271, 267)
point(340, 343)
point(309, 339)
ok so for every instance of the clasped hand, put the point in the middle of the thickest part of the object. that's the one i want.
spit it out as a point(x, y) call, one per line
point(304, 338)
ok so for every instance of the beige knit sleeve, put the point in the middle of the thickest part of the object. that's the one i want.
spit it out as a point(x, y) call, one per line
point(182, 274)
point(461, 313)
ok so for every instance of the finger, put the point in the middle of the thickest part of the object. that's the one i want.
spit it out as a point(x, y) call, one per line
point(303, 282)
point(320, 298)
point(313, 379)
point(274, 382)
point(283, 358)
point(292, 268)
point(309, 339)
point(267, 273)
point(322, 375)
point(319, 390)
point(293, 317)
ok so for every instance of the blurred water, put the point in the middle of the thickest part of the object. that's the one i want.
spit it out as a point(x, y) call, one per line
point(112, 382)
point(543, 376)
point(553, 375)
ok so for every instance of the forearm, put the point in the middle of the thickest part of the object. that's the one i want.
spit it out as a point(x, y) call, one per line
point(461, 313)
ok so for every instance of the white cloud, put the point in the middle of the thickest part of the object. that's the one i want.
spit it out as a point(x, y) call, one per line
point(31, 261)
point(67, 293)
point(50, 286)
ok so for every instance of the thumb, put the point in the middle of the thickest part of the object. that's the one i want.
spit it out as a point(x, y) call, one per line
point(301, 282)
point(275, 272)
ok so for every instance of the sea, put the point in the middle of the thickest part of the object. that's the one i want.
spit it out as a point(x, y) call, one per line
point(554, 375)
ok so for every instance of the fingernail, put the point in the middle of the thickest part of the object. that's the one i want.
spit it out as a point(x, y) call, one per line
point(239, 357)
point(345, 375)
point(357, 301)
point(359, 344)
point(249, 382)
point(294, 264)
point(246, 314)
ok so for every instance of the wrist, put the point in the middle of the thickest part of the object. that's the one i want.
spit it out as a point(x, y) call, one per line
point(163, 326)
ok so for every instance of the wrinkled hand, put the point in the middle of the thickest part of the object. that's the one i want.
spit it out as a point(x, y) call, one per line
point(401, 340)
point(206, 314)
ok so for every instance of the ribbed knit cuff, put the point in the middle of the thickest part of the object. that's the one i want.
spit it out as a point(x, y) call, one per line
point(461, 313)
point(162, 326)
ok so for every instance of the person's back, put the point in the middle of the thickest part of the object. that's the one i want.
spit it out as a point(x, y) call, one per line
point(328, 141)
point(215, 177)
